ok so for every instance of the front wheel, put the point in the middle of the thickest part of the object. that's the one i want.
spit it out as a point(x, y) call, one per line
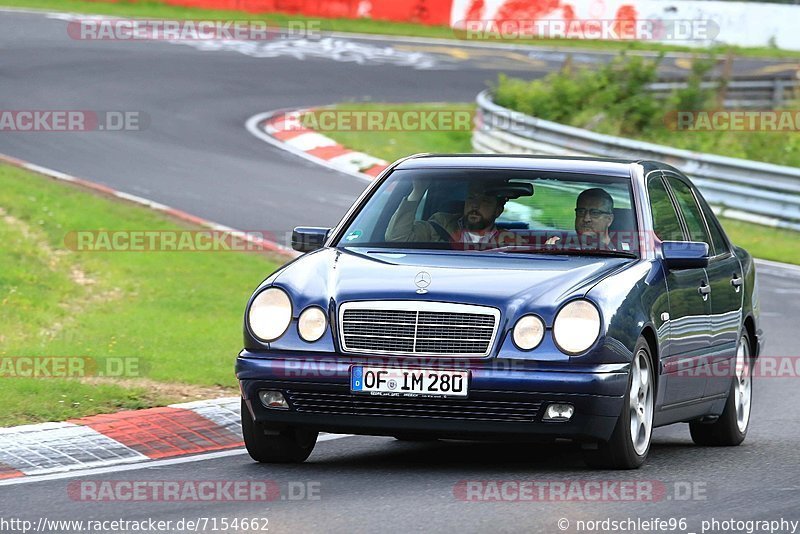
point(630, 441)
point(731, 427)
point(290, 445)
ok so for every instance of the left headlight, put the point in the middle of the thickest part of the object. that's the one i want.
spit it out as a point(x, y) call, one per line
point(312, 324)
point(270, 314)
point(576, 327)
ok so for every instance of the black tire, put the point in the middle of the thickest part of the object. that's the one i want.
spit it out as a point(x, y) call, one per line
point(725, 431)
point(291, 445)
point(619, 451)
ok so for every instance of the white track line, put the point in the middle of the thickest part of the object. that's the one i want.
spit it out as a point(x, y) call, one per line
point(144, 465)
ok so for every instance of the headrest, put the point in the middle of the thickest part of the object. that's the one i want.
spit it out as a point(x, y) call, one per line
point(623, 220)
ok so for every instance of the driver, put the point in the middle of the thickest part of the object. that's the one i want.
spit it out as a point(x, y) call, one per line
point(475, 225)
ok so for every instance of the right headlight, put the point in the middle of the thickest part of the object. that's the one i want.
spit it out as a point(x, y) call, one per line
point(270, 314)
point(576, 327)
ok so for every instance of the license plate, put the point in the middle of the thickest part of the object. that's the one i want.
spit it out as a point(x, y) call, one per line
point(387, 381)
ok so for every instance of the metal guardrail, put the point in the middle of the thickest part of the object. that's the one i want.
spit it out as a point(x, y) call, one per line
point(762, 93)
point(737, 188)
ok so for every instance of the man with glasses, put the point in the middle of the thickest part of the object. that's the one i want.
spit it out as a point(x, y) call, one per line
point(594, 213)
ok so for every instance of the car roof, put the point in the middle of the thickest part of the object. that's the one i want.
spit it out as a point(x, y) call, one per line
point(589, 165)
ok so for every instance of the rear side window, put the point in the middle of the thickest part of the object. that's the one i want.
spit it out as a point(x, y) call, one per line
point(666, 224)
point(691, 211)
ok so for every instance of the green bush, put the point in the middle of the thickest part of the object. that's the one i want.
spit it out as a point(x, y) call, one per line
point(613, 100)
point(693, 96)
point(615, 91)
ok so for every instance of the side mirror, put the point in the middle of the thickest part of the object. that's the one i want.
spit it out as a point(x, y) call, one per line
point(307, 238)
point(685, 254)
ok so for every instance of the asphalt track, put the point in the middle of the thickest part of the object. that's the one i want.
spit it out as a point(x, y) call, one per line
point(196, 156)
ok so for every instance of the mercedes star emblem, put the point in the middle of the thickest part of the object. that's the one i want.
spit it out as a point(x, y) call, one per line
point(422, 281)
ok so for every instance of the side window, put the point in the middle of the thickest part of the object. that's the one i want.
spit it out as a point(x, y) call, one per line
point(666, 224)
point(720, 244)
point(691, 211)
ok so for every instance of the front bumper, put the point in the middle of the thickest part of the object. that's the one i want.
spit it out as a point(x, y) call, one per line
point(504, 401)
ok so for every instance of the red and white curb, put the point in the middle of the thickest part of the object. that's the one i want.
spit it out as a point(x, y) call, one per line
point(120, 438)
point(262, 244)
point(282, 129)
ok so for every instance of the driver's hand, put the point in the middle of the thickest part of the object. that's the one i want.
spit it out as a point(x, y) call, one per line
point(553, 240)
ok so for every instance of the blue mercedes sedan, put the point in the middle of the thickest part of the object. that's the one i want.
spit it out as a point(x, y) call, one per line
point(507, 298)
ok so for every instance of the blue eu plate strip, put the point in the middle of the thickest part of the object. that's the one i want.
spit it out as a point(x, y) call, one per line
point(357, 379)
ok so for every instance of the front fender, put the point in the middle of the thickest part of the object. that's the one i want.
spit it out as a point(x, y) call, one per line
point(632, 301)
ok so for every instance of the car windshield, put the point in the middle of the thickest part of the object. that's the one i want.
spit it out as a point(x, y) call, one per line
point(508, 211)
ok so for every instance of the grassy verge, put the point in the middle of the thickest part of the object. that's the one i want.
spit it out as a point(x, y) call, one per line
point(764, 242)
point(159, 10)
point(761, 241)
point(169, 322)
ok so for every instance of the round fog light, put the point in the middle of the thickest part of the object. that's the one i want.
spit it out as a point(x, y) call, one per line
point(528, 332)
point(559, 412)
point(273, 399)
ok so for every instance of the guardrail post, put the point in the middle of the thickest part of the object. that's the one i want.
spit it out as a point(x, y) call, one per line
point(725, 78)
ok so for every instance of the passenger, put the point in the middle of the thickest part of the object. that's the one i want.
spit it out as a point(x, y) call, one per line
point(594, 213)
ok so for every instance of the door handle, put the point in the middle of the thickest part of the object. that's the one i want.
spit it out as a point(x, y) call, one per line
point(737, 282)
point(705, 291)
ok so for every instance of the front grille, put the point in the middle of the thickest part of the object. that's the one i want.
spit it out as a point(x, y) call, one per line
point(341, 403)
point(418, 328)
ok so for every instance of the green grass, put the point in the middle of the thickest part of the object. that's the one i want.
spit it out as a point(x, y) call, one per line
point(177, 315)
point(761, 241)
point(128, 8)
point(779, 148)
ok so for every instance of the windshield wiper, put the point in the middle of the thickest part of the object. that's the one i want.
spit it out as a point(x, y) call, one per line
point(564, 251)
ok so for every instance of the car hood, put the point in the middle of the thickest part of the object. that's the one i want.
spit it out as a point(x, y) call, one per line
point(505, 281)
